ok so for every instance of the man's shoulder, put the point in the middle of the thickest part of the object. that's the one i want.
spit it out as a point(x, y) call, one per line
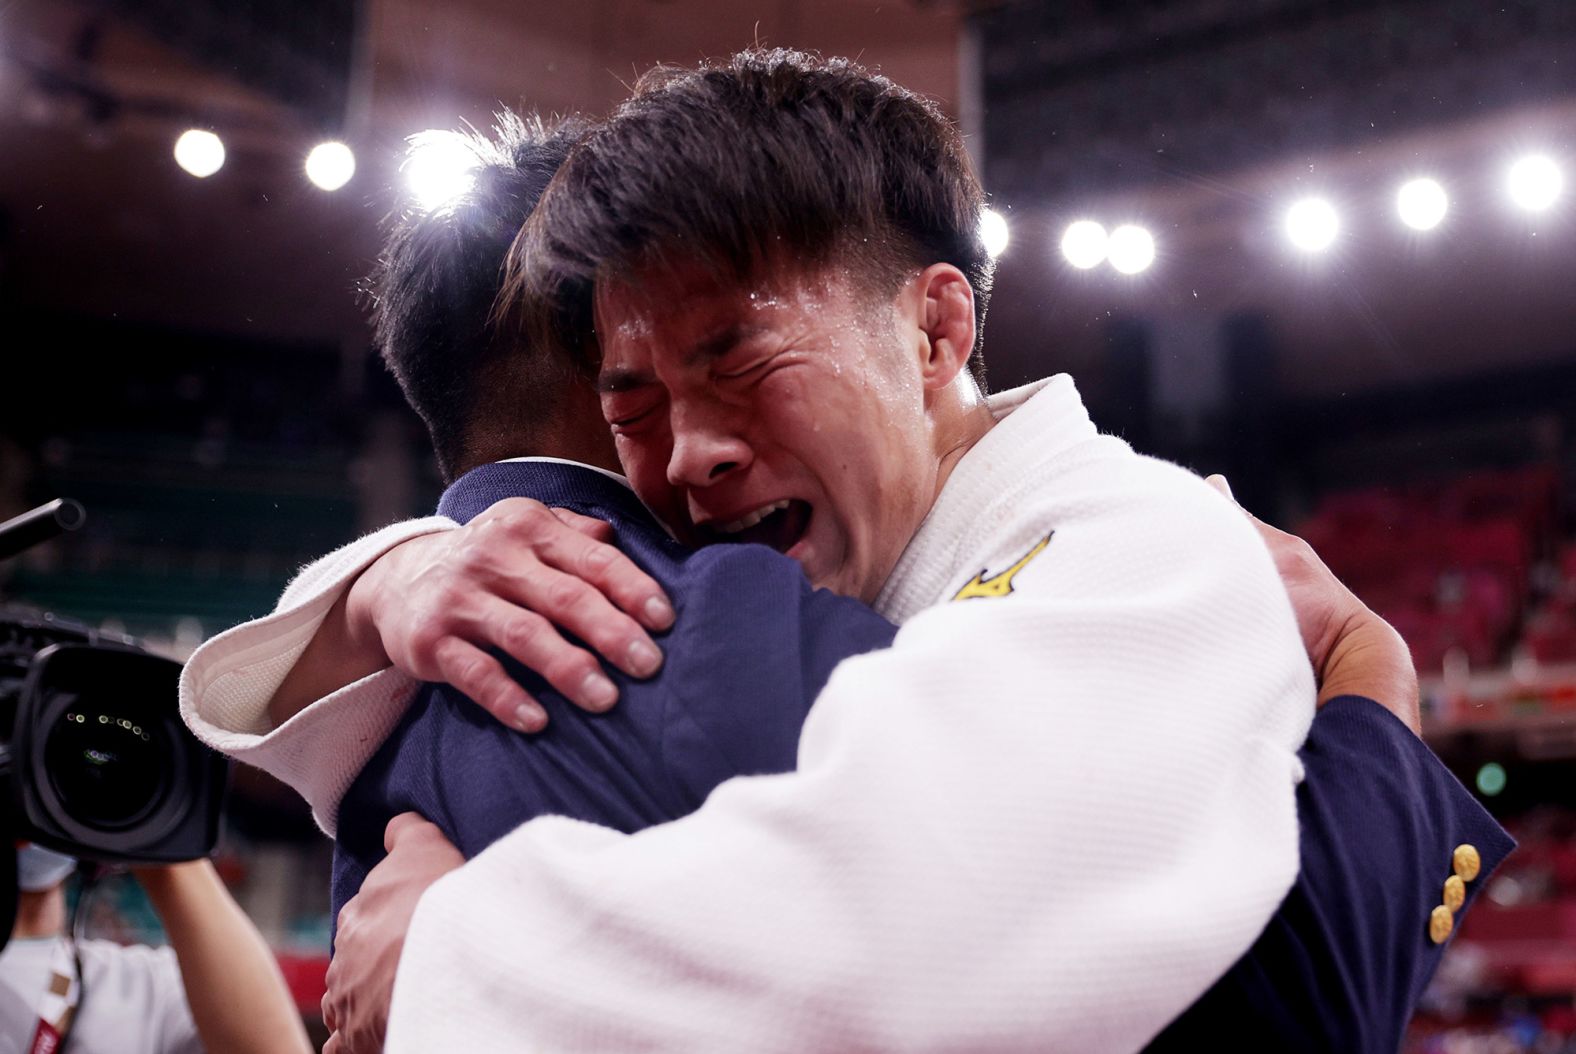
point(1113, 515)
point(1104, 475)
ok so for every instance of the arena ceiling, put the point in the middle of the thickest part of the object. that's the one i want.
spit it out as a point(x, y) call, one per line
point(96, 219)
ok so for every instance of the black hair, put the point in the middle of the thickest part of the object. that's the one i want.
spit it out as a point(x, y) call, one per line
point(771, 157)
point(434, 287)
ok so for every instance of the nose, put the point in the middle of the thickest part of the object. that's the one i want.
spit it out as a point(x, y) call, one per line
point(708, 444)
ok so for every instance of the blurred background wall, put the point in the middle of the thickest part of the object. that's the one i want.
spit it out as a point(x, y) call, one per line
point(188, 357)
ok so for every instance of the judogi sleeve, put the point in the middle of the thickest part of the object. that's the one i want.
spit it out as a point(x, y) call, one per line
point(226, 685)
point(1049, 817)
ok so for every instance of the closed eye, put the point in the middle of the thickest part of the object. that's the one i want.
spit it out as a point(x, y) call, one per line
point(626, 410)
point(731, 371)
point(628, 420)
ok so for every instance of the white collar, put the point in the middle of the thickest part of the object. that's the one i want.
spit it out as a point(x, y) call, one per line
point(1046, 418)
point(614, 476)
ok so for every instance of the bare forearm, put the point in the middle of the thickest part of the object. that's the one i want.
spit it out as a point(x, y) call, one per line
point(343, 651)
point(237, 995)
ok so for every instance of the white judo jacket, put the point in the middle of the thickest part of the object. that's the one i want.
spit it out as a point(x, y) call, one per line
point(1048, 818)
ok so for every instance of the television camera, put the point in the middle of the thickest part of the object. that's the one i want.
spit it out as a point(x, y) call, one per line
point(94, 759)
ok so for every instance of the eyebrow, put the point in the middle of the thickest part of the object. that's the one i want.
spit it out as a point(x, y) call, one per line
point(623, 378)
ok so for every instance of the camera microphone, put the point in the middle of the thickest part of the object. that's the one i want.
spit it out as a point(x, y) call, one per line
point(40, 525)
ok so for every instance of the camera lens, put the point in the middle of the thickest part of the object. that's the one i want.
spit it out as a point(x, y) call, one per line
point(108, 769)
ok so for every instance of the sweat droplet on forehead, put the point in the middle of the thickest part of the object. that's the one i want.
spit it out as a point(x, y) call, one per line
point(635, 325)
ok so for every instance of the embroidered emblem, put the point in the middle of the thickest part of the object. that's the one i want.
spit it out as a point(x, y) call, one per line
point(999, 585)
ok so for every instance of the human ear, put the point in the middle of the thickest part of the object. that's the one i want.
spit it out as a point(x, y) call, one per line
point(947, 301)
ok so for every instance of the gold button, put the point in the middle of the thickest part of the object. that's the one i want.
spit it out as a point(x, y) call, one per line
point(1455, 892)
point(1466, 861)
point(1440, 923)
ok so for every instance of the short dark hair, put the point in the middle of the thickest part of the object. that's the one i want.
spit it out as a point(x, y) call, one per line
point(434, 287)
point(771, 157)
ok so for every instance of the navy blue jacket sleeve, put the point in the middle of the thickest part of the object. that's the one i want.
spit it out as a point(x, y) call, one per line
point(1346, 956)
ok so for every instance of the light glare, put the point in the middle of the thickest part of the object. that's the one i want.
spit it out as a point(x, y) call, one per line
point(439, 167)
point(1312, 224)
point(1534, 182)
point(1422, 204)
point(1084, 244)
point(199, 152)
point(1131, 249)
point(330, 165)
point(993, 232)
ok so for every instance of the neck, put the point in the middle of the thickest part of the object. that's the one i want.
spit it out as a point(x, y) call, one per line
point(41, 914)
point(589, 446)
point(961, 418)
point(573, 430)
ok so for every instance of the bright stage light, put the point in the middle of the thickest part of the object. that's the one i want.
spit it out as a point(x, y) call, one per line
point(1312, 225)
point(993, 232)
point(1131, 249)
point(1422, 204)
point(330, 165)
point(439, 167)
point(1534, 182)
point(1084, 244)
point(199, 152)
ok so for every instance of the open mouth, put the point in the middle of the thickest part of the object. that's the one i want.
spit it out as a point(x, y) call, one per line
point(779, 525)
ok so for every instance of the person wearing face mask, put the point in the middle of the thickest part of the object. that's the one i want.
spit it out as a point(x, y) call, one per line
point(214, 987)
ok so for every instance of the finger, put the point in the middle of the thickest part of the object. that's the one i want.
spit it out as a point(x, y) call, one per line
point(403, 825)
point(535, 643)
point(330, 1018)
point(609, 570)
point(555, 601)
point(589, 526)
point(484, 680)
point(333, 1046)
point(1219, 483)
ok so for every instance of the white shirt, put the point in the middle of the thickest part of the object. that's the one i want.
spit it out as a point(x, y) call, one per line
point(133, 1000)
point(1044, 820)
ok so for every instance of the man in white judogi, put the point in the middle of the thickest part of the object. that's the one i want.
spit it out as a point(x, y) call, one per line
point(1049, 816)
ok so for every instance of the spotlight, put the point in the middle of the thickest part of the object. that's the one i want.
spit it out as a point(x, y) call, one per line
point(1312, 225)
point(199, 152)
point(1422, 204)
point(1084, 244)
point(1534, 182)
point(993, 232)
point(439, 167)
point(1131, 249)
point(330, 165)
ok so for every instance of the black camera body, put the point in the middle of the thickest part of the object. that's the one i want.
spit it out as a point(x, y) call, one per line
point(98, 762)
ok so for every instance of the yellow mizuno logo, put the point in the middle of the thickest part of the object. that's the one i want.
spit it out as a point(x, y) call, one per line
point(999, 585)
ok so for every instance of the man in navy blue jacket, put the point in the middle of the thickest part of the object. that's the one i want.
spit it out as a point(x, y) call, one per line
point(1342, 962)
point(750, 650)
